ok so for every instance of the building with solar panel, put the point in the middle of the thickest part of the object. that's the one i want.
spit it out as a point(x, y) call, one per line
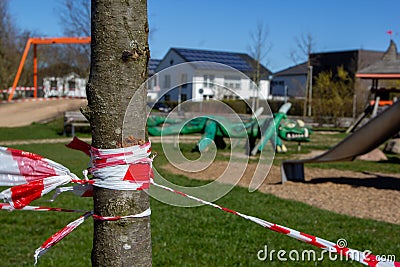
point(197, 75)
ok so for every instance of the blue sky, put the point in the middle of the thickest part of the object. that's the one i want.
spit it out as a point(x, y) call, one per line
point(226, 24)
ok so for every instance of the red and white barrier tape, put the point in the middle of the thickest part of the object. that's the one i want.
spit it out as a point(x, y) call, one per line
point(366, 259)
point(129, 169)
point(6, 206)
point(41, 99)
point(32, 176)
point(7, 91)
point(57, 237)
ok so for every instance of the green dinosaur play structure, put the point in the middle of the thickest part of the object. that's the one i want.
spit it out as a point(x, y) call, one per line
point(215, 128)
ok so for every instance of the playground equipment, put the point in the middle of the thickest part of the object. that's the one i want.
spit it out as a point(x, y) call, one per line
point(373, 108)
point(41, 41)
point(215, 128)
point(371, 135)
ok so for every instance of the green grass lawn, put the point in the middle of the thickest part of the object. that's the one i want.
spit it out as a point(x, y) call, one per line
point(201, 236)
point(53, 129)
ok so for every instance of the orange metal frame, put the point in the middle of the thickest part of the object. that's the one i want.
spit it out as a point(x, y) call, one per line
point(41, 41)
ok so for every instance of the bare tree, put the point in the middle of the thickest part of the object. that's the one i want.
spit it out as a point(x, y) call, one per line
point(119, 58)
point(259, 50)
point(75, 20)
point(75, 17)
point(305, 45)
point(9, 46)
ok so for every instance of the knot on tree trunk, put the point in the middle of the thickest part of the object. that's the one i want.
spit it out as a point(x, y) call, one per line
point(127, 55)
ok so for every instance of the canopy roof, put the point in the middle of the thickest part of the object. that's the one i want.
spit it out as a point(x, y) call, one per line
point(387, 68)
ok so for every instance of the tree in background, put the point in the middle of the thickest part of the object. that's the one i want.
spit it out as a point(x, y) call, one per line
point(305, 45)
point(333, 95)
point(12, 43)
point(75, 20)
point(258, 50)
point(119, 58)
point(54, 60)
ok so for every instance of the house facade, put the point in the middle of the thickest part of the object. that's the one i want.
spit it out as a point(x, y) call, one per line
point(152, 87)
point(197, 75)
point(290, 82)
point(71, 85)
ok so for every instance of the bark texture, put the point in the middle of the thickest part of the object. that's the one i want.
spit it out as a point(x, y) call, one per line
point(119, 57)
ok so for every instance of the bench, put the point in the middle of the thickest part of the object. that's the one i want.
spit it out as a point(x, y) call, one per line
point(74, 119)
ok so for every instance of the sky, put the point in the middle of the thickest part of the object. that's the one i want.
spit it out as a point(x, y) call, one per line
point(226, 25)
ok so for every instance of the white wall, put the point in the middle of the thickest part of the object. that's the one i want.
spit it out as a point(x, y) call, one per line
point(177, 72)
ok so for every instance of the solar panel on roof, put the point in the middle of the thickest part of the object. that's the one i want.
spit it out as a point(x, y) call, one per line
point(231, 59)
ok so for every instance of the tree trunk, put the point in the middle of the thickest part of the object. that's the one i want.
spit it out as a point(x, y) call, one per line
point(119, 57)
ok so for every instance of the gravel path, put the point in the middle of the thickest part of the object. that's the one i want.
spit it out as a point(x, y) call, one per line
point(364, 195)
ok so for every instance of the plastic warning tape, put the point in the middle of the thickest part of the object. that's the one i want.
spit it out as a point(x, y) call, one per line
point(40, 99)
point(7, 91)
point(117, 164)
point(32, 176)
point(57, 237)
point(366, 259)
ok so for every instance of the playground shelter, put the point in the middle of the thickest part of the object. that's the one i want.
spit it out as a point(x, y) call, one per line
point(388, 68)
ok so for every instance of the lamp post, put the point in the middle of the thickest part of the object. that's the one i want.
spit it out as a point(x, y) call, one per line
point(310, 91)
point(286, 93)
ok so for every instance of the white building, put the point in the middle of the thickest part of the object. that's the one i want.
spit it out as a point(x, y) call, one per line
point(207, 75)
point(70, 85)
point(153, 87)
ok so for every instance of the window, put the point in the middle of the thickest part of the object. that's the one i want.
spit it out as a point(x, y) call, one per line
point(167, 81)
point(278, 83)
point(154, 77)
point(183, 97)
point(208, 81)
point(167, 97)
point(53, 84)
point(232, 82)
point(71, 85)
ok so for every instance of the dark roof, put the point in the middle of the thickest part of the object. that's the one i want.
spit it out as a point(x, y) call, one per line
point(153, 64)
point(389, 64)
point(300, 69)
point(239, 61)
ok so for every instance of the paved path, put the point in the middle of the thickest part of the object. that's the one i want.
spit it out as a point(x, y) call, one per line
point(24, 113)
